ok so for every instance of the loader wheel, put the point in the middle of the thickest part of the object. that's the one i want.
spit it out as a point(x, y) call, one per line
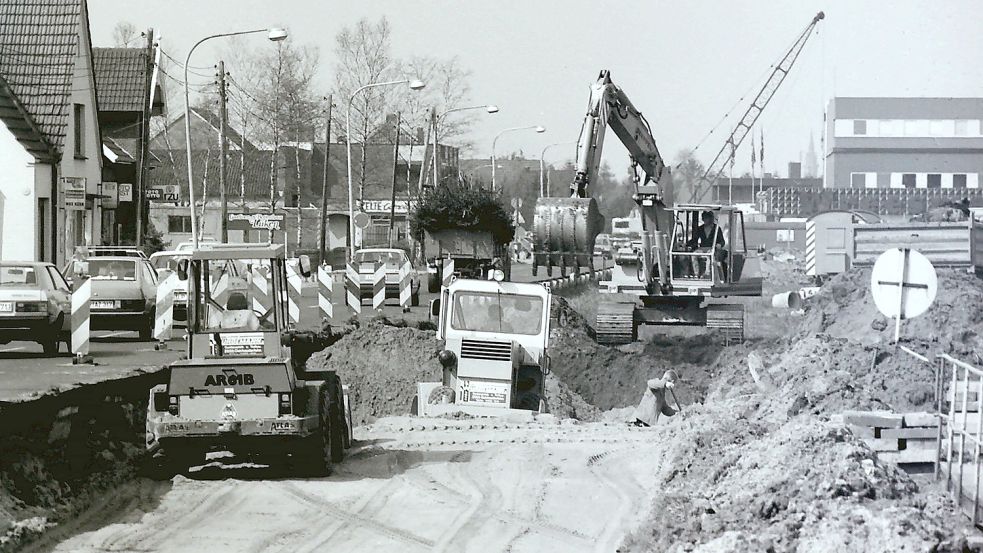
point(333, 420)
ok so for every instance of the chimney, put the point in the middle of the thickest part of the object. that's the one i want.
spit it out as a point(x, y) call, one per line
point(794, 170)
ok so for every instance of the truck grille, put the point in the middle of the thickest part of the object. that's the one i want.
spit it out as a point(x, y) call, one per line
point(490, 351)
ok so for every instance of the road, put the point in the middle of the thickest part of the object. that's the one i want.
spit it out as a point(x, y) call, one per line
point(409, 485)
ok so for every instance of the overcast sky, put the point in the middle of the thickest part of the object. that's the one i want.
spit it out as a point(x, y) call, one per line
point(683, 64)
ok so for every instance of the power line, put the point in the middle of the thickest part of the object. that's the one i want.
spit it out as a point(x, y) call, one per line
point(190, 67)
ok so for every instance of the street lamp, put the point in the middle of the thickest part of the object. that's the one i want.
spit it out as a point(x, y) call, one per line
point(490, 108)
point(542, 187)
point(274, 34)
point(415, 84)
point(537, 128)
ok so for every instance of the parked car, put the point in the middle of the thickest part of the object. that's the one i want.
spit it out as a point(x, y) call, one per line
point(124, 294)
point(164, 264)
point(125, 251)
point(35, 304)
point(393, 259)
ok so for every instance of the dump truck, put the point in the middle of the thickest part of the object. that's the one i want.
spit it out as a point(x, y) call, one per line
point(474, 253)
point(245, 386)
point(495, 357)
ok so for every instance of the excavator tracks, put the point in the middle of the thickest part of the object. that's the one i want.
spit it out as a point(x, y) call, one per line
point(616, 324)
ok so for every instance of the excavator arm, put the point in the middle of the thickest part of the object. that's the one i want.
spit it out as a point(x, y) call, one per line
point(567, 227)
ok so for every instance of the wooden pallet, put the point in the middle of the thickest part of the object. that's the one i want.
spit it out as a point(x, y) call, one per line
point(901, 438)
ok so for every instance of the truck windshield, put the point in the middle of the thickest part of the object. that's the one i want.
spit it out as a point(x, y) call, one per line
point(237, 296)
point(492, 312)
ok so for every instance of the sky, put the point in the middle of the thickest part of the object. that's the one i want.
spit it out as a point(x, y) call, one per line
point(684, 65)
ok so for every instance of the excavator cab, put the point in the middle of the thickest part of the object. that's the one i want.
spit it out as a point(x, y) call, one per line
point(719, 266)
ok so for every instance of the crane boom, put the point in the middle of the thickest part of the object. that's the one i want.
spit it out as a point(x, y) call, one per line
point(764, 96)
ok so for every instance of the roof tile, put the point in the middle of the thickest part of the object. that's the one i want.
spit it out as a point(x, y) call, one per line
point(120, 78)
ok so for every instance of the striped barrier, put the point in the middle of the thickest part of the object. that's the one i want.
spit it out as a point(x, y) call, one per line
point(164, 313)
point(379, 287)
point(220, 289)
point(405, 291)
point(352, 293)
point(447, 276)
point(811, 248)
point(325, 293)
point(294, 285)
point(260, 288)
point(81, 298)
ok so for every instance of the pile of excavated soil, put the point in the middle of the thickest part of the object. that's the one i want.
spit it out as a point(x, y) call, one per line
point(739, 485)
point(845, 308)
point(382, 364)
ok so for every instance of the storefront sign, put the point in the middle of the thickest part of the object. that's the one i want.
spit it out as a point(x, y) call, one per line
point(385, 206)
point(125, 192)
point(73, 192)
point(256, 221)
point(110, 195)
point(171, 193)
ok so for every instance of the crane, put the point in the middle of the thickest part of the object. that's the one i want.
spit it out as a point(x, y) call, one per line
point(565, 230)
point(764, 96)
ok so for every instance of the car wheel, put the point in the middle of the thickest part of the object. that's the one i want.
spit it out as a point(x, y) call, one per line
point(50, 343)
point(147, 331)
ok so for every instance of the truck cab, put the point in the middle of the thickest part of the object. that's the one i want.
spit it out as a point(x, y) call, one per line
point(495, 357)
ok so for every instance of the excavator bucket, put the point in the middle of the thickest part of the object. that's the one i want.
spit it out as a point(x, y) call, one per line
point(565, 230)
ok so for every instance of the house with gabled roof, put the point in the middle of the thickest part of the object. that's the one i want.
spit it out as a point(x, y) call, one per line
point(50, 144)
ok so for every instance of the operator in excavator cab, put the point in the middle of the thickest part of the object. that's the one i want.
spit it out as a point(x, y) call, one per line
point(706, 238)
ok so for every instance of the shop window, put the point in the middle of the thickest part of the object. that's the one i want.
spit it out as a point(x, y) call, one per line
point(934, 180)
point(178, 223)
point(959, 180)
point(908, 180)
point(860, 127)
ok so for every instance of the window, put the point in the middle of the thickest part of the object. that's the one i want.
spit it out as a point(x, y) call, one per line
point(934, 180)
point(179, 223)
point(959, 180)
point(858, 180)
point(487, 312)
point(860, 127)
point(58, 280)
point(79, 130)
point(941, 127)
point(908, 180)
point(18, 275)
point(962, 127)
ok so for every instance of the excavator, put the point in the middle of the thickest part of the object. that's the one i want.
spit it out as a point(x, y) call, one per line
point(675, 283)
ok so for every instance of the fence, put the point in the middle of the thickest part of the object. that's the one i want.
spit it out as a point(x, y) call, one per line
point(958, 394)
point(805, 202)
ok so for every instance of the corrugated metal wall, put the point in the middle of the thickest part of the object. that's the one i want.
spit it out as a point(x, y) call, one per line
point(944, 244)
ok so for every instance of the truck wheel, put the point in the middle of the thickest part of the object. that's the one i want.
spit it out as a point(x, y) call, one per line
point(433, 282)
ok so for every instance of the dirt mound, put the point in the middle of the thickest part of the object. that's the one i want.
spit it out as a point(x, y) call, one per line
point(737, 485)
point(844, 308)
point(382, 362)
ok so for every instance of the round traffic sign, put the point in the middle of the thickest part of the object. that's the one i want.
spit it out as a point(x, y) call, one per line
point(361, 219)
point(903, 282)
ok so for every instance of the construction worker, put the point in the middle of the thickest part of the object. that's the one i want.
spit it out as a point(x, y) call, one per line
point(654, 401)
point(707, 237)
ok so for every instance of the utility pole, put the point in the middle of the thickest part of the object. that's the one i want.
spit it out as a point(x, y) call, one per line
point(322, 246)
point(436, 144)
point(144, 138)
point(392, 204)
point(223, 143)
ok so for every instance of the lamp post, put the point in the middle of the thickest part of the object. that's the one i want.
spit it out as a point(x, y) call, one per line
point(414, 85)
point(275, 35)
point(490, 108)
point(542, 186)
point(537, 128)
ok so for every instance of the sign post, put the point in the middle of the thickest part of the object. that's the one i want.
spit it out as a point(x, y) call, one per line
point(903, 283)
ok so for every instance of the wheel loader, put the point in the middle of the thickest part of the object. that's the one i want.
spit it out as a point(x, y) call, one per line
point(244, 386)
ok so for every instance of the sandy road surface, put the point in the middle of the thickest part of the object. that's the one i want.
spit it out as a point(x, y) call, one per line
point(411, 485)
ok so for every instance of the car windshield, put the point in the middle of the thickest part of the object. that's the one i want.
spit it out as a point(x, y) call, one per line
point(495, 312)
point(392, 260)
point(166, 261)
point(112, 269)
point(235, 297)
point(18, 275)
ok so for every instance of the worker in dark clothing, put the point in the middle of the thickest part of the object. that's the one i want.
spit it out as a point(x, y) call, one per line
point(707, 238)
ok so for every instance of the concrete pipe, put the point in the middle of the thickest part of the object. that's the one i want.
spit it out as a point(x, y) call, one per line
point(787, 300)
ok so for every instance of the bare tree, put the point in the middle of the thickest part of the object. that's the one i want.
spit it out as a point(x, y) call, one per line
point(125, 34)
point(686, 173)
point(448, 86)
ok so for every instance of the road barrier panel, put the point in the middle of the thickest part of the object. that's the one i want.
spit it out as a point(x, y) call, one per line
point(405, 289)
point(164, 313)
point(325, 293)
point(379, 287)
point(81, 301)
point(259, 284)
point(294, 292)
point(352, 291)
point(447, 276)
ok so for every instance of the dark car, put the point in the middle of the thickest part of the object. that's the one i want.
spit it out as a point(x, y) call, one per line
point(35, 304)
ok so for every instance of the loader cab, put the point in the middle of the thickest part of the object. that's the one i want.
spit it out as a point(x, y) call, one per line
point(237, 303)
point(495, 356)
point(692, 266)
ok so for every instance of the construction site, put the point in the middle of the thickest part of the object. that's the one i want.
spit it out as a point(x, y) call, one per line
point(798, 369)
